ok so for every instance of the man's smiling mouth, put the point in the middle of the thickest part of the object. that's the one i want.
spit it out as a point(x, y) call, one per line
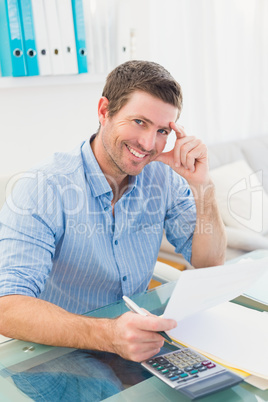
point(135, 153)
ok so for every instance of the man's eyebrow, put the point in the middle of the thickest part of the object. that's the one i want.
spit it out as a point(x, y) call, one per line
point(150, 122)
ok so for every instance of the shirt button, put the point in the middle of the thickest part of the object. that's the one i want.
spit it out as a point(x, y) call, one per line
point(116, 242)
point(106, 208)
point(124, 278)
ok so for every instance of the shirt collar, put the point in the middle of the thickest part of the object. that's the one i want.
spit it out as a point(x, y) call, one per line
point(94, 175)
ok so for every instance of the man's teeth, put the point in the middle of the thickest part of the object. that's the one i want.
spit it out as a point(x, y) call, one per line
point(135, 152)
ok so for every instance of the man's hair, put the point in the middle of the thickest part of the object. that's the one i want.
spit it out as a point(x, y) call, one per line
point(137, 75)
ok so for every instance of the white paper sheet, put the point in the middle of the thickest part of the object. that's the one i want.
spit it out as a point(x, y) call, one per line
point(231, 334)
point(259, 291)
point(257, 382)
point(200, 289)
point(4, 339)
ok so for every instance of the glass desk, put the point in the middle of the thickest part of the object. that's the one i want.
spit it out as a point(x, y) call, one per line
point(30, 371)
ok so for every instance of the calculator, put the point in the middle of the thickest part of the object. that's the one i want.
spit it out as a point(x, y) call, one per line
point(191, 373)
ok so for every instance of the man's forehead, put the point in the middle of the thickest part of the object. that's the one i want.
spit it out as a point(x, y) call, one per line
point(151, 109)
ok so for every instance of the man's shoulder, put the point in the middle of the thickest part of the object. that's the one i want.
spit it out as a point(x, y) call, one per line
point(61, 163)
point(41, 183)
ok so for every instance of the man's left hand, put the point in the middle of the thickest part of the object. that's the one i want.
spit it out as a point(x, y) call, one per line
point(188, 158)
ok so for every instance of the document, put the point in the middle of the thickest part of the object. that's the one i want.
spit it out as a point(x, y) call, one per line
point(200, 289)
point(207, 322)
point(257, 382)
point(230, 334)
point(259, 290)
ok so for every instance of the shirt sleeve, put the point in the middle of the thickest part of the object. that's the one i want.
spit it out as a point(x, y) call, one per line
point(30, 226)
point(180, 220)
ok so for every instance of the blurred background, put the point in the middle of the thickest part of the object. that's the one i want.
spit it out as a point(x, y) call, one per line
point(216, 49)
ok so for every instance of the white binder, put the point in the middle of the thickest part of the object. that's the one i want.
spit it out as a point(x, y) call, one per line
point(54, 37)
point(65, 17)
point(41, 38)
point(101, 33)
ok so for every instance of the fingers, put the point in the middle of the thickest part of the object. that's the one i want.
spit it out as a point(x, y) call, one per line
point(155, 324)
point(136, 338)
point(188, 158)
point(178, 129)
point(185, 152)
point(185, 148)
point(138, 353)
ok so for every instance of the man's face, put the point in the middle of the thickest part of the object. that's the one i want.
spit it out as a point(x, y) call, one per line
point(135, 135)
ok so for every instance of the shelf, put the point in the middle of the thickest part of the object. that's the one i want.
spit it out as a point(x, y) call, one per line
point(39, 81)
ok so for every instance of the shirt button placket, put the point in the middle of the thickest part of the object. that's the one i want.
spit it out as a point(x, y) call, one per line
point(124, 278)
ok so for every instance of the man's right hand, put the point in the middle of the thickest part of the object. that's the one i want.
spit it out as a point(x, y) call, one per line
point(134, 337)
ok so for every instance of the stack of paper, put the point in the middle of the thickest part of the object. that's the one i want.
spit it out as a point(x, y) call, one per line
point(231, 334)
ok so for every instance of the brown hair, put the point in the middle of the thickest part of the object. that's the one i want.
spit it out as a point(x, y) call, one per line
point(144, 76)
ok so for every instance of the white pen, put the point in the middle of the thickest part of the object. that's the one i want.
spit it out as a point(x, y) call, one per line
point(136, 309)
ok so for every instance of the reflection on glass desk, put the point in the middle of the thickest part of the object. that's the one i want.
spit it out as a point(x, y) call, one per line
point(30, 371)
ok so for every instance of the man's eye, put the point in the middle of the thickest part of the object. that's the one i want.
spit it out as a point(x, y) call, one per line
point(162, 131)
point(138, 121)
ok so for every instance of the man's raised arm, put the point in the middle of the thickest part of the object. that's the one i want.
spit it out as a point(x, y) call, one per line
point(189, 159)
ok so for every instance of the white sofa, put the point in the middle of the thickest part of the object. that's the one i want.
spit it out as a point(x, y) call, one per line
point(239, 170)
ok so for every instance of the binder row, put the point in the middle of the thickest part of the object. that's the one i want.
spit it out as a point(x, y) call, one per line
point(42, 37)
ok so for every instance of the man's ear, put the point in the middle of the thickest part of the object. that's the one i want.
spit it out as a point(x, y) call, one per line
point(103, 110)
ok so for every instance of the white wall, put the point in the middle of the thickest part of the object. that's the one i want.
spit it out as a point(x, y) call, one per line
point(37, 121)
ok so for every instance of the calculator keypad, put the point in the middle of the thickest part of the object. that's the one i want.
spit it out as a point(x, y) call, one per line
point(181, 366)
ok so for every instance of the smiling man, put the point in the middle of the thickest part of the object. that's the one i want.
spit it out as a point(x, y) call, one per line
point(85, 227)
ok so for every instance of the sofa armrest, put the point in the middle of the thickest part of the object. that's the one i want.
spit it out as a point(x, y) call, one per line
point(165, 273)
point(245, 240)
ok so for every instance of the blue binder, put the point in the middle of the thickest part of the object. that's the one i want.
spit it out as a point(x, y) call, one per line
point(11, 41)
point(26, 14)
point(80, 35)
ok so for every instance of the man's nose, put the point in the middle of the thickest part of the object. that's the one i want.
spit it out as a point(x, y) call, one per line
point(147, 140)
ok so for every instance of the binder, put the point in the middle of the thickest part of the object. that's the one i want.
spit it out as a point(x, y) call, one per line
point(11, 41)
point(28, 34)
point(80, 36)
point(90, 10)
point(54, 37)
point(66, 23)
point(41, 38)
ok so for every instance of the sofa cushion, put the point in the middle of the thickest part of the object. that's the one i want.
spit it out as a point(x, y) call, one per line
point(244, 240)
point(255, 152)
point(223, 154)
point(242, 200)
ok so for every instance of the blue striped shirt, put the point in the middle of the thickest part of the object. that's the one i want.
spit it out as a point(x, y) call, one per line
point(60, 241)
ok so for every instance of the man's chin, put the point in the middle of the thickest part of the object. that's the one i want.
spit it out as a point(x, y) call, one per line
point(133, 171)
point(135, 168)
